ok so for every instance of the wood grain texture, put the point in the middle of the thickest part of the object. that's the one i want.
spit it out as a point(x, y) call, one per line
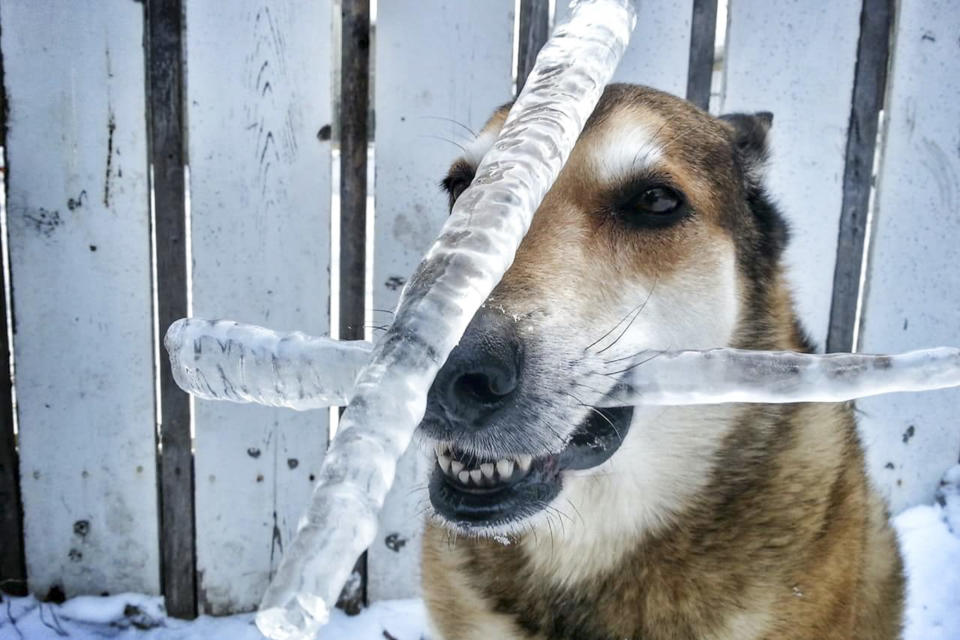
point(703, 30)
point(913, 278)
point(417, 94)
point(659, 51)
point(258, 94)
point(534, 29)
point(79, 238)
point(876, 18)
point(164, 54)
point(797, 60)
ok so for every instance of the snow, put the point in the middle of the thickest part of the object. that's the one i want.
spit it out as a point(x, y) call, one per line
point(930, 542)
point(929, 539)
point(133, 616)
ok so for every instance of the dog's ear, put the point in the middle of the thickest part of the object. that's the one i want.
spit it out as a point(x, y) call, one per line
point(748, 133)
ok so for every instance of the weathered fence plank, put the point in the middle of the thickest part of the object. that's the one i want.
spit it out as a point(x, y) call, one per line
point(659, 51)
point(913, 284)
point(797, 60)
point(79, 229)
point(417, 91)
point(876, 17)
point(258, 95)
point(164, 55)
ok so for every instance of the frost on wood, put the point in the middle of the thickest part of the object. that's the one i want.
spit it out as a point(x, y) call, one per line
point(225, 360)
point(475, 248)
point(235, 354)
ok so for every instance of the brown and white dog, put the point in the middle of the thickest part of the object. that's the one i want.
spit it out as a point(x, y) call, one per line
point(557, 520)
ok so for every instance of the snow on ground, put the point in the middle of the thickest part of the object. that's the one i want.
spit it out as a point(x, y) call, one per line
point(929, 537)
point(139, 617)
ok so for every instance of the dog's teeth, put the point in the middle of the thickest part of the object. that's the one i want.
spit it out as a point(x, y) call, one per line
point(487, 469)
point(464, 477)
point(456, 467)
point(444, 462)
point(505, 469)
point(524, 462)
point(476, 475)
point(438, 448)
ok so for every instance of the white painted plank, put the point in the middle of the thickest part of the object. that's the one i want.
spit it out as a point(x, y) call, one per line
point(258, 92)
point(435, 59)
point(659, 51)
point(79, 227)
point(797, 59)
point(913, 286)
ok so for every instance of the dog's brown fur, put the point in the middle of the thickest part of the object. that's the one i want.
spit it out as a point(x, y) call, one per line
point(786, 539)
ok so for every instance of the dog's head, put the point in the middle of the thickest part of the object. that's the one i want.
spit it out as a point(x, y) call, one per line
point(656, 235)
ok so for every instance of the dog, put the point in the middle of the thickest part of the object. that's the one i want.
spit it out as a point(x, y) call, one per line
point(553, 519)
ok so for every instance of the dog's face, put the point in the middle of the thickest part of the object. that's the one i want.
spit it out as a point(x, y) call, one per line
point(648, 240)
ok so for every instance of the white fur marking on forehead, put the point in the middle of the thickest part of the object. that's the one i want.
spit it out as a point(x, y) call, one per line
point(623, 148)
point(478, 147)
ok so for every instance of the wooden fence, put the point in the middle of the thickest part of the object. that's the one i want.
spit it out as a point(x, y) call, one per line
point(112, 480)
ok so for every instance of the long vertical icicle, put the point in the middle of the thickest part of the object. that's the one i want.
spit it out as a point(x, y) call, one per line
point(226, 360)
point(474, 250)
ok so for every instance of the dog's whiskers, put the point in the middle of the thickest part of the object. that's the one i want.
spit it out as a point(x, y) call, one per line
point(641, 307)
point(451, 120)
point(656, 354)
point(457, 144)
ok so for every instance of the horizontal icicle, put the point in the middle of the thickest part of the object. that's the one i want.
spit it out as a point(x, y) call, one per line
point(225, 360)
point(737, 375)
point(253, 364)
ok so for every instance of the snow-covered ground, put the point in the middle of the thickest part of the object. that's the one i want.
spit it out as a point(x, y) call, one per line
point(139, 617)
point(929, 537)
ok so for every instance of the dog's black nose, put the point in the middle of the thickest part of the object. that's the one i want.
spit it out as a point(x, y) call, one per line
point(482, 372)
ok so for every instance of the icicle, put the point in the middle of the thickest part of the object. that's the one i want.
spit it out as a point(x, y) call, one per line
point(224, 360)
point(737, 375)
point(474, 250)
point(244, 363)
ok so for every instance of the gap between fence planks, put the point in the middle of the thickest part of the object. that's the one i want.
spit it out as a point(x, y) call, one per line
point(354, 107)
point(13, 573)
point(164, 54)
point(533, 31)
point(869, 85)
point(703, 29)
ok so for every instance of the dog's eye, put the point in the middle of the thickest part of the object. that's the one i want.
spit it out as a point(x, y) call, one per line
point(655, 206)
point(658, 201)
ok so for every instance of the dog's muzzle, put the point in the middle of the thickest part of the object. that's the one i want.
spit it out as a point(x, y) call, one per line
point(477, 403)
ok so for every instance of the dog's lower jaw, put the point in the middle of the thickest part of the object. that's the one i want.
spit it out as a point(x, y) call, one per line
point(663, 464)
